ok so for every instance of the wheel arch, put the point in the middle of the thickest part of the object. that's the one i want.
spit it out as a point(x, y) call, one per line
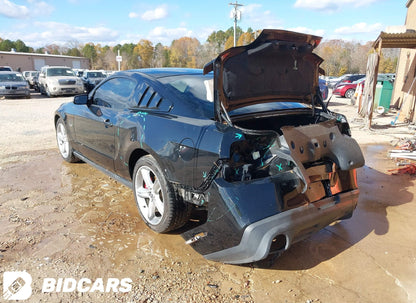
point(134, 157)
point(57, 117)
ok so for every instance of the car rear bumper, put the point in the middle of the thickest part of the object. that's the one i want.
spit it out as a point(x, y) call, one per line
point(294, 225)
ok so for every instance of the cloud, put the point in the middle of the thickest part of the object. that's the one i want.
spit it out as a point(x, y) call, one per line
point(12, 10)
point(34, 9)
point(254, 14)
point(167, 35)
point(158, 13)
point(330, 5)
point(60, 33)
point(359, 28)
point(41, 8)
point(305, 30)
point(133, 15)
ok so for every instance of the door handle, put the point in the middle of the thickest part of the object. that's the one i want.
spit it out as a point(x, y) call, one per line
point(108, 123)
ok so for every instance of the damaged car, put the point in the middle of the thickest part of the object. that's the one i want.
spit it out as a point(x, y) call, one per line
point(247, 143)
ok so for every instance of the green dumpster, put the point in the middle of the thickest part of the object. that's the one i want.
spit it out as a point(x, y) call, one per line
point(379, 87)
point(382, 98)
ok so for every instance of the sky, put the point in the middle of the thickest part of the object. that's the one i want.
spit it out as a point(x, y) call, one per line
point(76, 22)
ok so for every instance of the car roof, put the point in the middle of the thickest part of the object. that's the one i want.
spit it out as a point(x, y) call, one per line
point(157, 73)
point(4, 72)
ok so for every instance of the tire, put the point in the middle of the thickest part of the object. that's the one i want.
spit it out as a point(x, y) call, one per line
point(349, 93)
point(64, 146)
point(155, 198)
point(48, 92)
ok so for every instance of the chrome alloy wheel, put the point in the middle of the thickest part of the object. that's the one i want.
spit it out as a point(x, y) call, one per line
point(62, 139)
point(149, 195)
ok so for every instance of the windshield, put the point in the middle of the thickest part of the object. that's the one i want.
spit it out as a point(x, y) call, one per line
point(59, 72)
point(11, 78)
point(95, 75)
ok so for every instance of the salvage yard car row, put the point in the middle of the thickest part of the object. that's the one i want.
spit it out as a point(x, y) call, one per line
point(50, 81)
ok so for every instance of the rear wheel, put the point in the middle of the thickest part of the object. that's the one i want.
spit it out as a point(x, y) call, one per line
point(155, 198)
point(64, 145)
point(349, 93)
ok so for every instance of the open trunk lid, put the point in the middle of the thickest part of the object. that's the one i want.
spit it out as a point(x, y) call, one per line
point(278, 66)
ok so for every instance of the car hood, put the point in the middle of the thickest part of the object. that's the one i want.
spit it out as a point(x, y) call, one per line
point(278, 66)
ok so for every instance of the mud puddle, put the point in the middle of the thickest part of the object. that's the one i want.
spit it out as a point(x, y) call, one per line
point(70, 220)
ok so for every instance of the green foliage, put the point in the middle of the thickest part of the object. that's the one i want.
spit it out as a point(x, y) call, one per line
point(75, 52)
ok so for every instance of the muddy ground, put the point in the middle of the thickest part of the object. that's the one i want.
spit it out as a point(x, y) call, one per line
point(59, 220)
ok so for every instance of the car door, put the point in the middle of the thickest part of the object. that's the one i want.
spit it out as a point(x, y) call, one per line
point(95, 128)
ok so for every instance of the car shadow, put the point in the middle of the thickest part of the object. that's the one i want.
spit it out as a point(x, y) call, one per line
point(378, 192)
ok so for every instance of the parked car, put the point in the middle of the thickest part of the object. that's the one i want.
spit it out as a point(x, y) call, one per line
point(59, 80)
point(349, 79)
point(247, 142)
point(5, 69)
point(28, 75)
point(36, 82)
point(91, 78)
point(324, 88)
point(12, 84)
point(346, 90)
point(332, 81)
point(78, 72)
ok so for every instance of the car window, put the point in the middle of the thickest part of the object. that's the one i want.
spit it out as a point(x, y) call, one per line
point(59, 72)
point(11, 78)
point(115, 93)
point(198, 90)
point(95, 75)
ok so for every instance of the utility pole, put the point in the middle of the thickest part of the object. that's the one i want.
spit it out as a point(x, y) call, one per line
point(236, 15)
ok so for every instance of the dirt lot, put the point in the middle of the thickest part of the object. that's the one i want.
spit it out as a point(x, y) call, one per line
point(71, 221)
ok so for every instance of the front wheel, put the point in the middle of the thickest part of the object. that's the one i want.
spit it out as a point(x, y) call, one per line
point(349, 93)
point(155, 198)
point(64, 145)
point(48, 92)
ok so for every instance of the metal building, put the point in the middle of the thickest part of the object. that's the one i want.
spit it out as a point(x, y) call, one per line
point(33, 61)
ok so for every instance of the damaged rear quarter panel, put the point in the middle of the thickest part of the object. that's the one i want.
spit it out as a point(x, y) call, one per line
point(232, 206)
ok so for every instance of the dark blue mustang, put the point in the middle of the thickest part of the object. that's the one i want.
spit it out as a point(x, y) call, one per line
point(247, 142)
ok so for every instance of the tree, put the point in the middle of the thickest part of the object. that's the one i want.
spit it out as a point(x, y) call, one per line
point(229, 43)
point(74, 52)
point(20, 46)
point(217, 40)
point(53, 49)
point(88, 51)
point(183, 52)
point(144, 52)
point(160, 56)
point(245, 38)
point(6, 45)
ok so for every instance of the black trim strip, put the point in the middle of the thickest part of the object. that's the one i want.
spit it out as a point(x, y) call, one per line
point(123, 181)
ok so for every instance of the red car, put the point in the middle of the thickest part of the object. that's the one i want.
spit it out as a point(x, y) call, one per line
point(346, 90)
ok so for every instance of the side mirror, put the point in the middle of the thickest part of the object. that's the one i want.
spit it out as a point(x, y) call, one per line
point(81, 99)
